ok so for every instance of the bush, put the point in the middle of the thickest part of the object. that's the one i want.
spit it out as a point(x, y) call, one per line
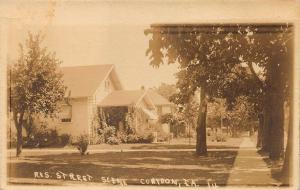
point(65, 139)
point(162, 136)
point(122, 137)
point(113, 140)
point(147, 138)
point(220, 138)
point(108, 135)
point(99, 139)
point(105, 133)
point(135, 138)
point(82, 144)
point(42, 138)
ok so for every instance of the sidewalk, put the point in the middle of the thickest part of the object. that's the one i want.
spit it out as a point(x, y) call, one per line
point(249, 167)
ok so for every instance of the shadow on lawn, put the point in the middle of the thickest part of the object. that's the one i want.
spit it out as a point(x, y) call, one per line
point(276, 167)
point(131, 165)
point(181, 146)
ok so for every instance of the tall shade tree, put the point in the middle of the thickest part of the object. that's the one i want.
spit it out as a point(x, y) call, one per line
point(218, 59)
point(204, 63)
point(36, 85)
point(270, 50)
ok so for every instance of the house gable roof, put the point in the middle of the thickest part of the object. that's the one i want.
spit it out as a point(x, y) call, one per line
point(158, 99)
point(122, 98)
point(83, 81)
point(133, 97)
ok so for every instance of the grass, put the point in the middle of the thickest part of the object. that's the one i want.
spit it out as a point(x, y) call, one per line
point(131, 166)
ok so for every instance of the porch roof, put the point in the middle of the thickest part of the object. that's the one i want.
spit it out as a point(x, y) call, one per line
point(158, 99)
point(132, 97)
point(122, 98)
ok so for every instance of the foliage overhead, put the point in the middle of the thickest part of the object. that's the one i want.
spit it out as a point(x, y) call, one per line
point(227, 60)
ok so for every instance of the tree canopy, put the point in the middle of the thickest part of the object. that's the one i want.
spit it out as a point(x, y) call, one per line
point(229, 61)
point(36, 85)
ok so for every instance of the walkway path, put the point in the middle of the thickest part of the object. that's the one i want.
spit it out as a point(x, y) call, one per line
point(249, 167)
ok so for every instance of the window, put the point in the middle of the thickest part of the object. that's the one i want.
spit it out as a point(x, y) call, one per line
point(66, 113)
point(66, 120)
point(107, 85)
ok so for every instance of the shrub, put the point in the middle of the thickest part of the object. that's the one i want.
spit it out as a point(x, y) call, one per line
point(82, 144)
point(145, 138)
point(65, 139)
point(133, 138)
point(105, 133)
point(162, 136)
point(113, 140)
point(99, 139)
point(30, 142)
point(108, 135)
point(220, 138)
point(46, 138)
point(42, 138)
point(122, 136)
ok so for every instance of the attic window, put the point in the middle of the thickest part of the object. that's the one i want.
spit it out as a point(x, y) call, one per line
point(66, 113)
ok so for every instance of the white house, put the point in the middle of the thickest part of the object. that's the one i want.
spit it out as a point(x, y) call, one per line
point(86, 85)
point(98, 86)
point(90, 87)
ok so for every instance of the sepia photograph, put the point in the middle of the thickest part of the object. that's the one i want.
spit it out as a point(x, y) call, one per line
point(137, 94)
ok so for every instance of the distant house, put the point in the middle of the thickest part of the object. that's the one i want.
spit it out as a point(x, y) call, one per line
point(98, 86)
point(150, 105)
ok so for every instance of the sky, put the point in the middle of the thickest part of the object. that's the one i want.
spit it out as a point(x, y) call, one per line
point(102, 41)
point(90, 32)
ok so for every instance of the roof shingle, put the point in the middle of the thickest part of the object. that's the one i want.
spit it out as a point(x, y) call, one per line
point(131, 97)
point(82, 81)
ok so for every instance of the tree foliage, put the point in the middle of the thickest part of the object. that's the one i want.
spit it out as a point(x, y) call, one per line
point(166, 90)
point(36, 83)
point(229, 61)
point(226, 60)
point(241, 117)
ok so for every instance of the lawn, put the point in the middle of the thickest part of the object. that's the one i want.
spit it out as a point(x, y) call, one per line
point(135, 167)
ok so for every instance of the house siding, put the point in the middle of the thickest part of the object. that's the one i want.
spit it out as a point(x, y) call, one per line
point(94, 100)
point(103, 91)
point(78, 124)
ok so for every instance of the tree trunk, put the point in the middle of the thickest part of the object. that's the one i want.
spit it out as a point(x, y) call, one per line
point(201, 147)
point(287, 169)
point(265, 141)
point(276, 132)
point(19, 140)
point(234, 131)
point(259, 130)
point(276, 102)
point(19, 125)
